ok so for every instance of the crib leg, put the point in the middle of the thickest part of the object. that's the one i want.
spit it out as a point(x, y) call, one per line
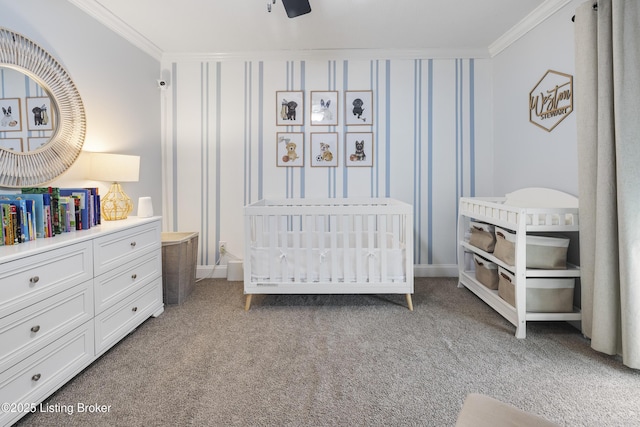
point(409, 302)
point(247, 302)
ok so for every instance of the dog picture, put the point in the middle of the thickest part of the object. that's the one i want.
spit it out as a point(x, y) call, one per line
point(290, 108)
point(359, 109)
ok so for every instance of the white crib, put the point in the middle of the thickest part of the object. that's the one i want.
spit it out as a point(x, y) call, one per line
point(328, 246)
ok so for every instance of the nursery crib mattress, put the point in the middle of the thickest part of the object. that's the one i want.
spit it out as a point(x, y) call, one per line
point(346, 258)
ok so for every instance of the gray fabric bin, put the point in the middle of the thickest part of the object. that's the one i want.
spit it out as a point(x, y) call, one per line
point(544, 295)
point(483, 236)
point(486, 272)
point(179, 256)
point(543, 252)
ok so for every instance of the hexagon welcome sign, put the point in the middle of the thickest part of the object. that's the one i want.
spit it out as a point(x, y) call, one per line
point(551, 100)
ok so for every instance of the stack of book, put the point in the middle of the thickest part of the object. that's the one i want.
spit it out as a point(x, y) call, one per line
point(38, 213)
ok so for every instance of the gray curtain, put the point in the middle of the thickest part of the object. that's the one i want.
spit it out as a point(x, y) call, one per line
point(607, 105)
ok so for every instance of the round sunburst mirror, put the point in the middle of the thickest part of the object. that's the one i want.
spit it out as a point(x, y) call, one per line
point(42, 120)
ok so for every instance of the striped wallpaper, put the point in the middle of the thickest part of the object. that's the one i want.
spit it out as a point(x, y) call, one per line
point(431, 124)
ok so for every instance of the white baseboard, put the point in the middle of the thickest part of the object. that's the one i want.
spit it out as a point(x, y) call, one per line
point(211, 271)
point(441, 270)
point(419, 270)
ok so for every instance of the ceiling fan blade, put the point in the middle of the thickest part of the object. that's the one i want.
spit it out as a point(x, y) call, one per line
point(296, 7)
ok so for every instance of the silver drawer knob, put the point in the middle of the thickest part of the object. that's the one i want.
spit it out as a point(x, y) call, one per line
point(36, 377)
point(34, 279)
point(133, 244)
point(35, 329)
point(134, 276)
point(134, 309)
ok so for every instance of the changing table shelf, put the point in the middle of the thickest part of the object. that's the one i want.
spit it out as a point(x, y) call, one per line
point(521, 220)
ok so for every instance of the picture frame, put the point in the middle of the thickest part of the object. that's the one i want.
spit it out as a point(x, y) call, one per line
point(324, 149)
point(358, 107)
point(289, 108)
point(10, 115)
point(358, 149)
point(35, 143)
point(324, 108)
point(290, 149)
point(12, 144)
point(39, 117)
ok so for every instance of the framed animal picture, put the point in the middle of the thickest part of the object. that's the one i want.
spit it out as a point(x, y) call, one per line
point(358, 148)
point(324, 108)
point(36, 143)
point(358, 107)
point(39, 114)
point(324, 149)
point(11, 118)
point(12, 144)
point(290, 149)
point(289, 108)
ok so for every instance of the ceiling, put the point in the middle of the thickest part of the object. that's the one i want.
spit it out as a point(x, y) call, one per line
point(163, 27)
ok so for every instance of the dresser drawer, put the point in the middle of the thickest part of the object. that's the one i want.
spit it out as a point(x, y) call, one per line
point(116, 322)
point(30, 279)
point(115, 249)
point(126, 279)
point(29, 329)
point(36, 377)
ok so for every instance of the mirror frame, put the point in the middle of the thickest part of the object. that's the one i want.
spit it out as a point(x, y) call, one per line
point(55, 157)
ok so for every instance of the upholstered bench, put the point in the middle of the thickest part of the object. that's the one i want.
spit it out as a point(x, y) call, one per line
point(483, 411)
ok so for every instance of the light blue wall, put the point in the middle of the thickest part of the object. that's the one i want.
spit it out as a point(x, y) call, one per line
point(432, 143)
point(117, 83)
point(525, 154)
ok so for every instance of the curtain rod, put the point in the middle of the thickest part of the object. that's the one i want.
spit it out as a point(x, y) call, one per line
point(594, 7)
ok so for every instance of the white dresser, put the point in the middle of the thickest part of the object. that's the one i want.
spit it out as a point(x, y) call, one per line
point(66, 300)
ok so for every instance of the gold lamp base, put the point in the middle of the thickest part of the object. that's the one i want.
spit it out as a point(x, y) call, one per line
point(115, 204)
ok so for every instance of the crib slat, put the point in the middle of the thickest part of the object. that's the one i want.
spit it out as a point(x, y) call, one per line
point(400, 231)
point(297, 254)
point(259, 229)
point(382, 244)
point(273, 247)
point(397, 237)
point(346, 266)
point(323, 259)
point(371, 253)
point(284, 244)
point(358, 231)
point(333, 230)
point(308, 245)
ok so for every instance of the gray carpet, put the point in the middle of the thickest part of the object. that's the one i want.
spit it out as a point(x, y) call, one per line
point(343, 360)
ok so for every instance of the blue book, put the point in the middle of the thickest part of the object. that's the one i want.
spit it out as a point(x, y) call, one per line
point(95, 205)
point(51, 194)
point(83, 194)
point(20, 226)
point(38, 209)
point(35, 213)
point(31, 216)
point(48, 215)
point(10, 222)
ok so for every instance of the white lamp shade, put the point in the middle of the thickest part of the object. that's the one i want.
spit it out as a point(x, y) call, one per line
point(114, 167)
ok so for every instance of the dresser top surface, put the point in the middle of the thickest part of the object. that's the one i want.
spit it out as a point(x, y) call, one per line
point(11, 252)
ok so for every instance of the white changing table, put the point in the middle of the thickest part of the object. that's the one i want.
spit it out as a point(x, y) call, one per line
point(546, 210)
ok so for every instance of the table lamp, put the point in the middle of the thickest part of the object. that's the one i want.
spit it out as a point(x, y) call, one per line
point(115, 168)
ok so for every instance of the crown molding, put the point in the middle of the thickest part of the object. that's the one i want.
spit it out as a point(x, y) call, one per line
point(528, 23)
point(99, 12)
point(536, 17)
point(328, 54)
